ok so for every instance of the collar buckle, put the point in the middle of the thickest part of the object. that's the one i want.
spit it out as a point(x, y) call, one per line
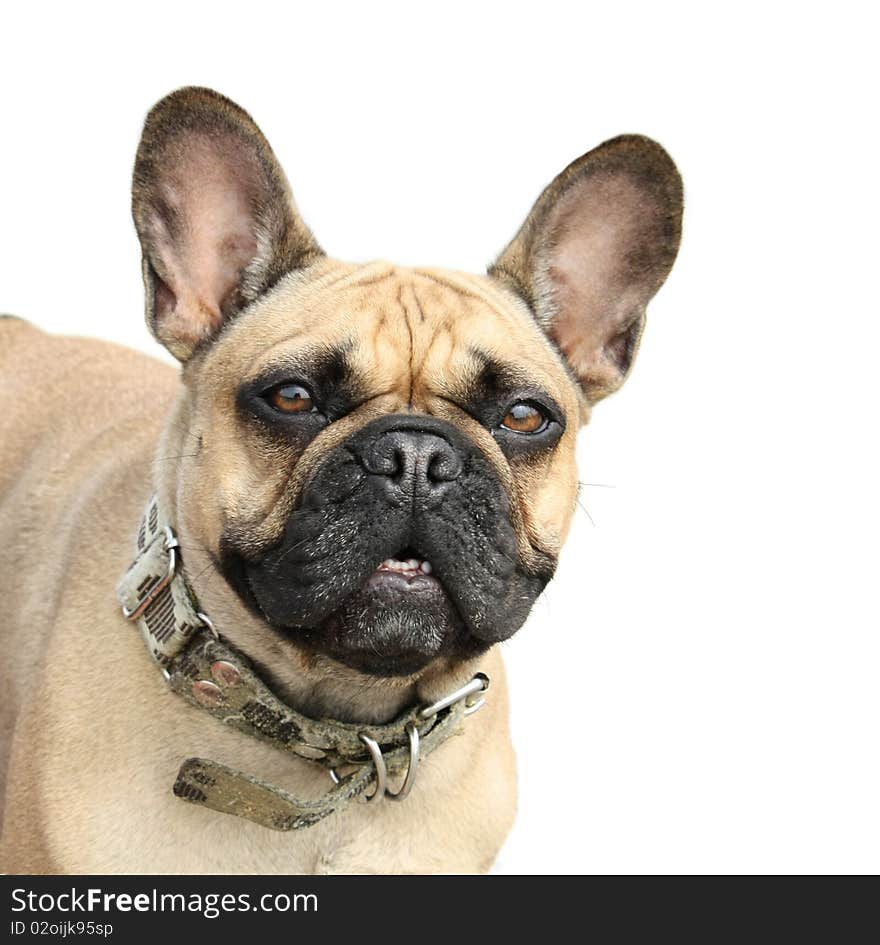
point(471, 692)
point(170, 545)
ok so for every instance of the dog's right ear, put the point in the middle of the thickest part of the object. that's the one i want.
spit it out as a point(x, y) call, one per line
point(214, 214)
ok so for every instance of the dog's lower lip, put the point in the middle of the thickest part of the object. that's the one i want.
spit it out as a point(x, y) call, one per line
point(415, 580)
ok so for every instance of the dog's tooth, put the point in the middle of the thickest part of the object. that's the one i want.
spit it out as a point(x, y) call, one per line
point(410, 567)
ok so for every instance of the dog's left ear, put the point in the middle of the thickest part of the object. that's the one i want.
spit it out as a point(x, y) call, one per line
point(214, 214)
point(597, 245)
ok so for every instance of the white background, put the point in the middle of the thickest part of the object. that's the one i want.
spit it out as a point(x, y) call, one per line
point(698, 689)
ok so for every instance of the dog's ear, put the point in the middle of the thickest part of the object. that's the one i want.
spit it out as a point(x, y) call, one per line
point(597, 245)
point(214, 214)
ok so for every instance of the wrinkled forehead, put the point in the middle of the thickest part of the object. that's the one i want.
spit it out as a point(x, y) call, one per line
point(415, 333)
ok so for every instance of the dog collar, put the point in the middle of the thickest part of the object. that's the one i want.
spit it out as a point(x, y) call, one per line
point(209, 674)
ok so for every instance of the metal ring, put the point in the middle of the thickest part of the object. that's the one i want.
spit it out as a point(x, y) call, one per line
point(474, 706)
point(412, 767)
point(379, 764)
point(170, 538)
point(479, 684)
point(206, 620)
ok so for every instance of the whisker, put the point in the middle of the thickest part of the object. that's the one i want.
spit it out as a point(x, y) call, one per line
point(584, 510)
point(209, 565)
point(294, 547)
point(185, 430)
point(210, 577)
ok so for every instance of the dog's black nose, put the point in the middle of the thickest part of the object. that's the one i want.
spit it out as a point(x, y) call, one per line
point(411, 463)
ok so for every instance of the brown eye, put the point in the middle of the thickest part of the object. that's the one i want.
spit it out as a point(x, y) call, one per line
point(525, 418)
point(291, 398)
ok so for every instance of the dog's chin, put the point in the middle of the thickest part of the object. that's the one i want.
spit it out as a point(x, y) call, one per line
point(398, 623)
point(395, 625)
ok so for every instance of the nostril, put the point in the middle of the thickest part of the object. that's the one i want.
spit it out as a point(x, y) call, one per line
point(399, 463)
point(444, 466)
point(386, 458)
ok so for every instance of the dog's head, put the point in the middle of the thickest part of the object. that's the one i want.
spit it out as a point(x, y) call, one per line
point(381, 460)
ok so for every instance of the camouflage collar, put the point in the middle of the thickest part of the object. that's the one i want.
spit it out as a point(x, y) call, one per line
point(209, 674)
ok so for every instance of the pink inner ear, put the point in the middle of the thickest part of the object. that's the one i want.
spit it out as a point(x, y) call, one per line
point(210, 186)
point(591, 265)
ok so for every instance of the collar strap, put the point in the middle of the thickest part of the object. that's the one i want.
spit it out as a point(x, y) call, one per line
point(199, 666)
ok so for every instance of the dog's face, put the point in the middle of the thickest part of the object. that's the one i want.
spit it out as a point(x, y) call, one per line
point(381, 460)
point(387, 462)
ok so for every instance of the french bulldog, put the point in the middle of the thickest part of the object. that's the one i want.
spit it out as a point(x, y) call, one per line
point(370, 471)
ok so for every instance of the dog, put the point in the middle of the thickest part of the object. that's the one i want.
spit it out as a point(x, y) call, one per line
point(359, 482)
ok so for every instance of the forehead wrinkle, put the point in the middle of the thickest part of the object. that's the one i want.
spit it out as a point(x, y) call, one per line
point(501, 302)
point(381, 342)
point(357, 274)
point(477, 300)
point(454, 369)
point(417, 311)
point(313, 306)
point(471, 287)
point(407, 320)
point(371, 272)
point(467, 364)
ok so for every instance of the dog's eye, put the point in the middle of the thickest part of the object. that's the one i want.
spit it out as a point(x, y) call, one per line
point(290, 398)
point(525, 417)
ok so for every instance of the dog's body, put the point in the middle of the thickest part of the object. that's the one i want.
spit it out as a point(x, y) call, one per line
point(332, 419)
point(94, 736)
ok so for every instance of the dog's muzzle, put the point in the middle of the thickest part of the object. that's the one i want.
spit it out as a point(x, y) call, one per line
point(401, 549)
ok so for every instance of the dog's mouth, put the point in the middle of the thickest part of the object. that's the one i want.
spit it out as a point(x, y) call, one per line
point(407, 563)
point(397, 622)
point(407, 572)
